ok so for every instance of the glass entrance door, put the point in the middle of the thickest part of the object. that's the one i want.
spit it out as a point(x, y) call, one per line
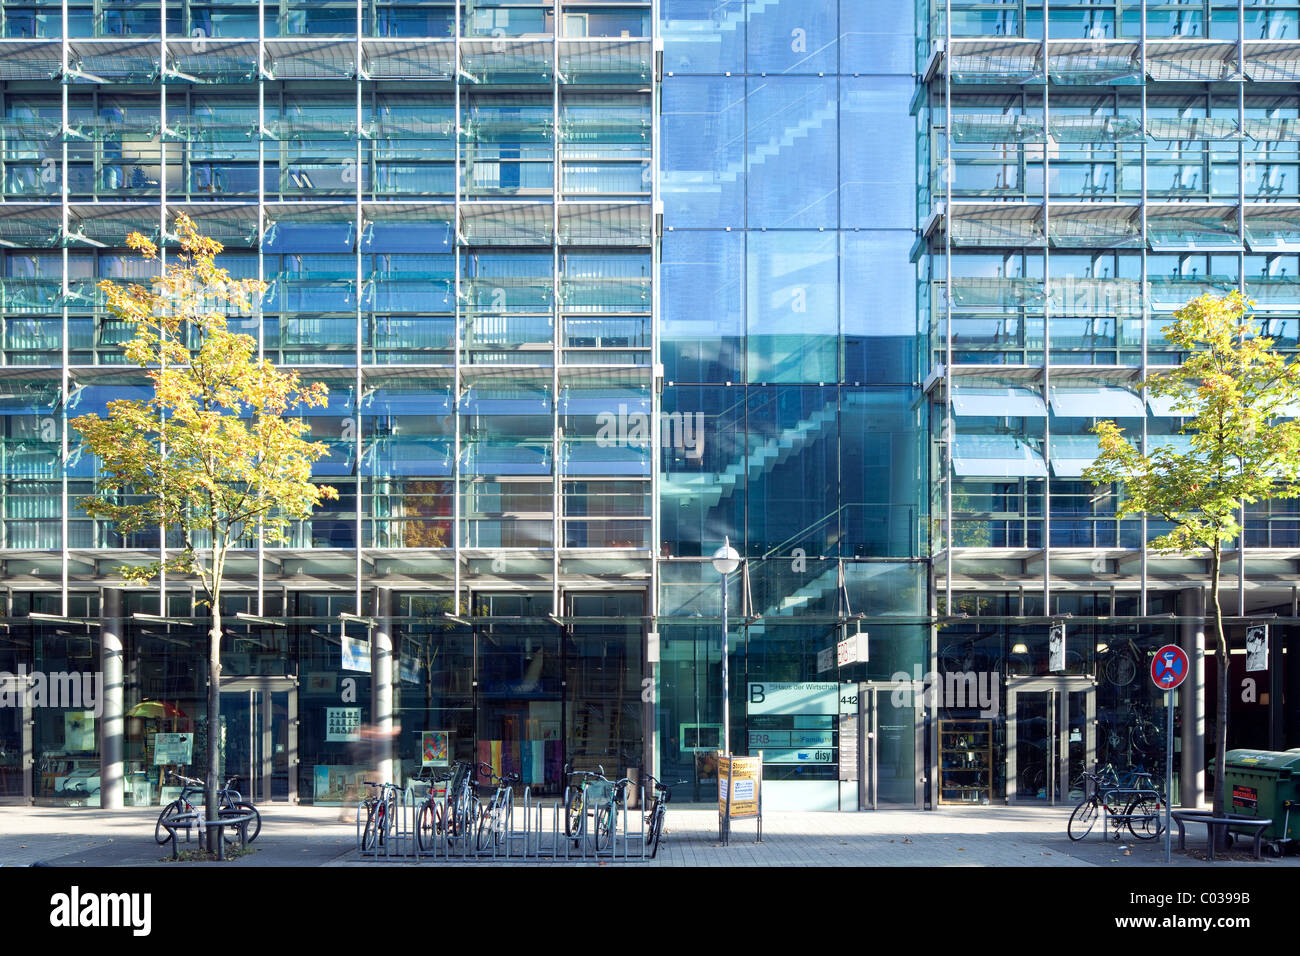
point(1050, 738)
point(15, 744)
point(893, 748)
point(259, 716)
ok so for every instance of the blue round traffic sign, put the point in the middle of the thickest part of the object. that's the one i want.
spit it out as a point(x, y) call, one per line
point(1169, 667)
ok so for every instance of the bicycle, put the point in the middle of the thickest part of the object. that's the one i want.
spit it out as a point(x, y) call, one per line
point(606, 803)
point(580, 801)
point(656, 813)
point(230, 802)
point(381, 810)
point(455, 814)
point(1141, 814)
point(1124, 663)
point(494, 817)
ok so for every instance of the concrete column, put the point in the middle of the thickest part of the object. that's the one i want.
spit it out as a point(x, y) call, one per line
point(111, 722)
point(1191, 637)
point(381, 685)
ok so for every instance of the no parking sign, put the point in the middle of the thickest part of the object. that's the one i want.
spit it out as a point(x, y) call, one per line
point(1169, 667)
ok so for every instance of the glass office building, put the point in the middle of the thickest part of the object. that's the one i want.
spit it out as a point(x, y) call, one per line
point(451, 204)
point(787, 332)
point(1092, 166)
point(599, 286)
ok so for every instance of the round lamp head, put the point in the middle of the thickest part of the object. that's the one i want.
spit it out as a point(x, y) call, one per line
point(725, 559)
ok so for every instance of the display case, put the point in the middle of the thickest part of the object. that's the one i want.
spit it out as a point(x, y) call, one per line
point(965, 761)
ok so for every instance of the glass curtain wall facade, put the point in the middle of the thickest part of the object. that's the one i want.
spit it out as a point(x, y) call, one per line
point(791, 409)
point(1091, 167)
point(451, 203)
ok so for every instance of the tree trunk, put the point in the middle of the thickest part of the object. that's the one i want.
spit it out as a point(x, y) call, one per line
point(1221, 707)
point(212, 807)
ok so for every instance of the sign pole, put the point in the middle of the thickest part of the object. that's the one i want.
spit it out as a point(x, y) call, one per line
point(726, 691)
point(1169, 766)
point(1169, 668)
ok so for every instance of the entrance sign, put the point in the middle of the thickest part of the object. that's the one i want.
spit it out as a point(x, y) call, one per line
point(814, 697)
point(1169, 667)
point(740, 793)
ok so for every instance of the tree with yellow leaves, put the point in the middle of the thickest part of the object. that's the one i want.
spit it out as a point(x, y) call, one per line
point(1236, 393)
point(214, 453)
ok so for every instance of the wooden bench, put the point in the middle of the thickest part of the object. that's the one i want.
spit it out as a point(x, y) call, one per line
point(1228, 820)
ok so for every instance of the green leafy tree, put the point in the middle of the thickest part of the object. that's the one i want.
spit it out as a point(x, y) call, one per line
point(1234, 391)
point(213, 454)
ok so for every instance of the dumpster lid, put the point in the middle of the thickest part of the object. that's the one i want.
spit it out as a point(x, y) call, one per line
point(1263, 759)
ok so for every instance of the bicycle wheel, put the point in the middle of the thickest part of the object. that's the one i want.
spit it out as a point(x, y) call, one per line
point(371, 836)
point(230, 834)
point(1121, 669)
point(254, 825)
point(1082, 820)
point(1030, 783)
point(656, 830)
point(604, 826)
point(1147, 738)
point(1150, 821)
point(427, 826)
point(575, 814)
point(161, 833)
point(483, 839)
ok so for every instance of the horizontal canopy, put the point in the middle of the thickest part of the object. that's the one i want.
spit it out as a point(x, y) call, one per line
point(1096, 402)
point(996, 456)
point(1071, 454)
point(998, 403)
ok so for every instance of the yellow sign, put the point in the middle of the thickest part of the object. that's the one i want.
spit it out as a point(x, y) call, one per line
point(741, 778)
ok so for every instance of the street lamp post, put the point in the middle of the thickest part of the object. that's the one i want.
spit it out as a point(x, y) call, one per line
point(725, 561)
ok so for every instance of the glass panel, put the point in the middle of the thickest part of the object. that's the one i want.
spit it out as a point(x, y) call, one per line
point(1034, 729)
point(11, 749)
point(519, 724)
point(791, 161)
point(703, 145)
point(792, 293)
point(1078, 744)
point(895, 753)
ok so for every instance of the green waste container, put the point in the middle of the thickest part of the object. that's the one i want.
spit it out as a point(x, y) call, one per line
point(1260, 783)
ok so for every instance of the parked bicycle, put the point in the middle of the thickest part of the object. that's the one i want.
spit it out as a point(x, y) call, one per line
point(381, 812)
point(1142, 812)
point(230, 802)
point(593, 789)
point(495, 817)
point(455, 814)
point(656, 813)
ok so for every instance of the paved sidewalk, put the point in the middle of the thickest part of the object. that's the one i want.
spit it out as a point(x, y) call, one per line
point(314, 836)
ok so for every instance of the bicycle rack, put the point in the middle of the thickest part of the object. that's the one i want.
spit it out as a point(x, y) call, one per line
point(527, 833)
